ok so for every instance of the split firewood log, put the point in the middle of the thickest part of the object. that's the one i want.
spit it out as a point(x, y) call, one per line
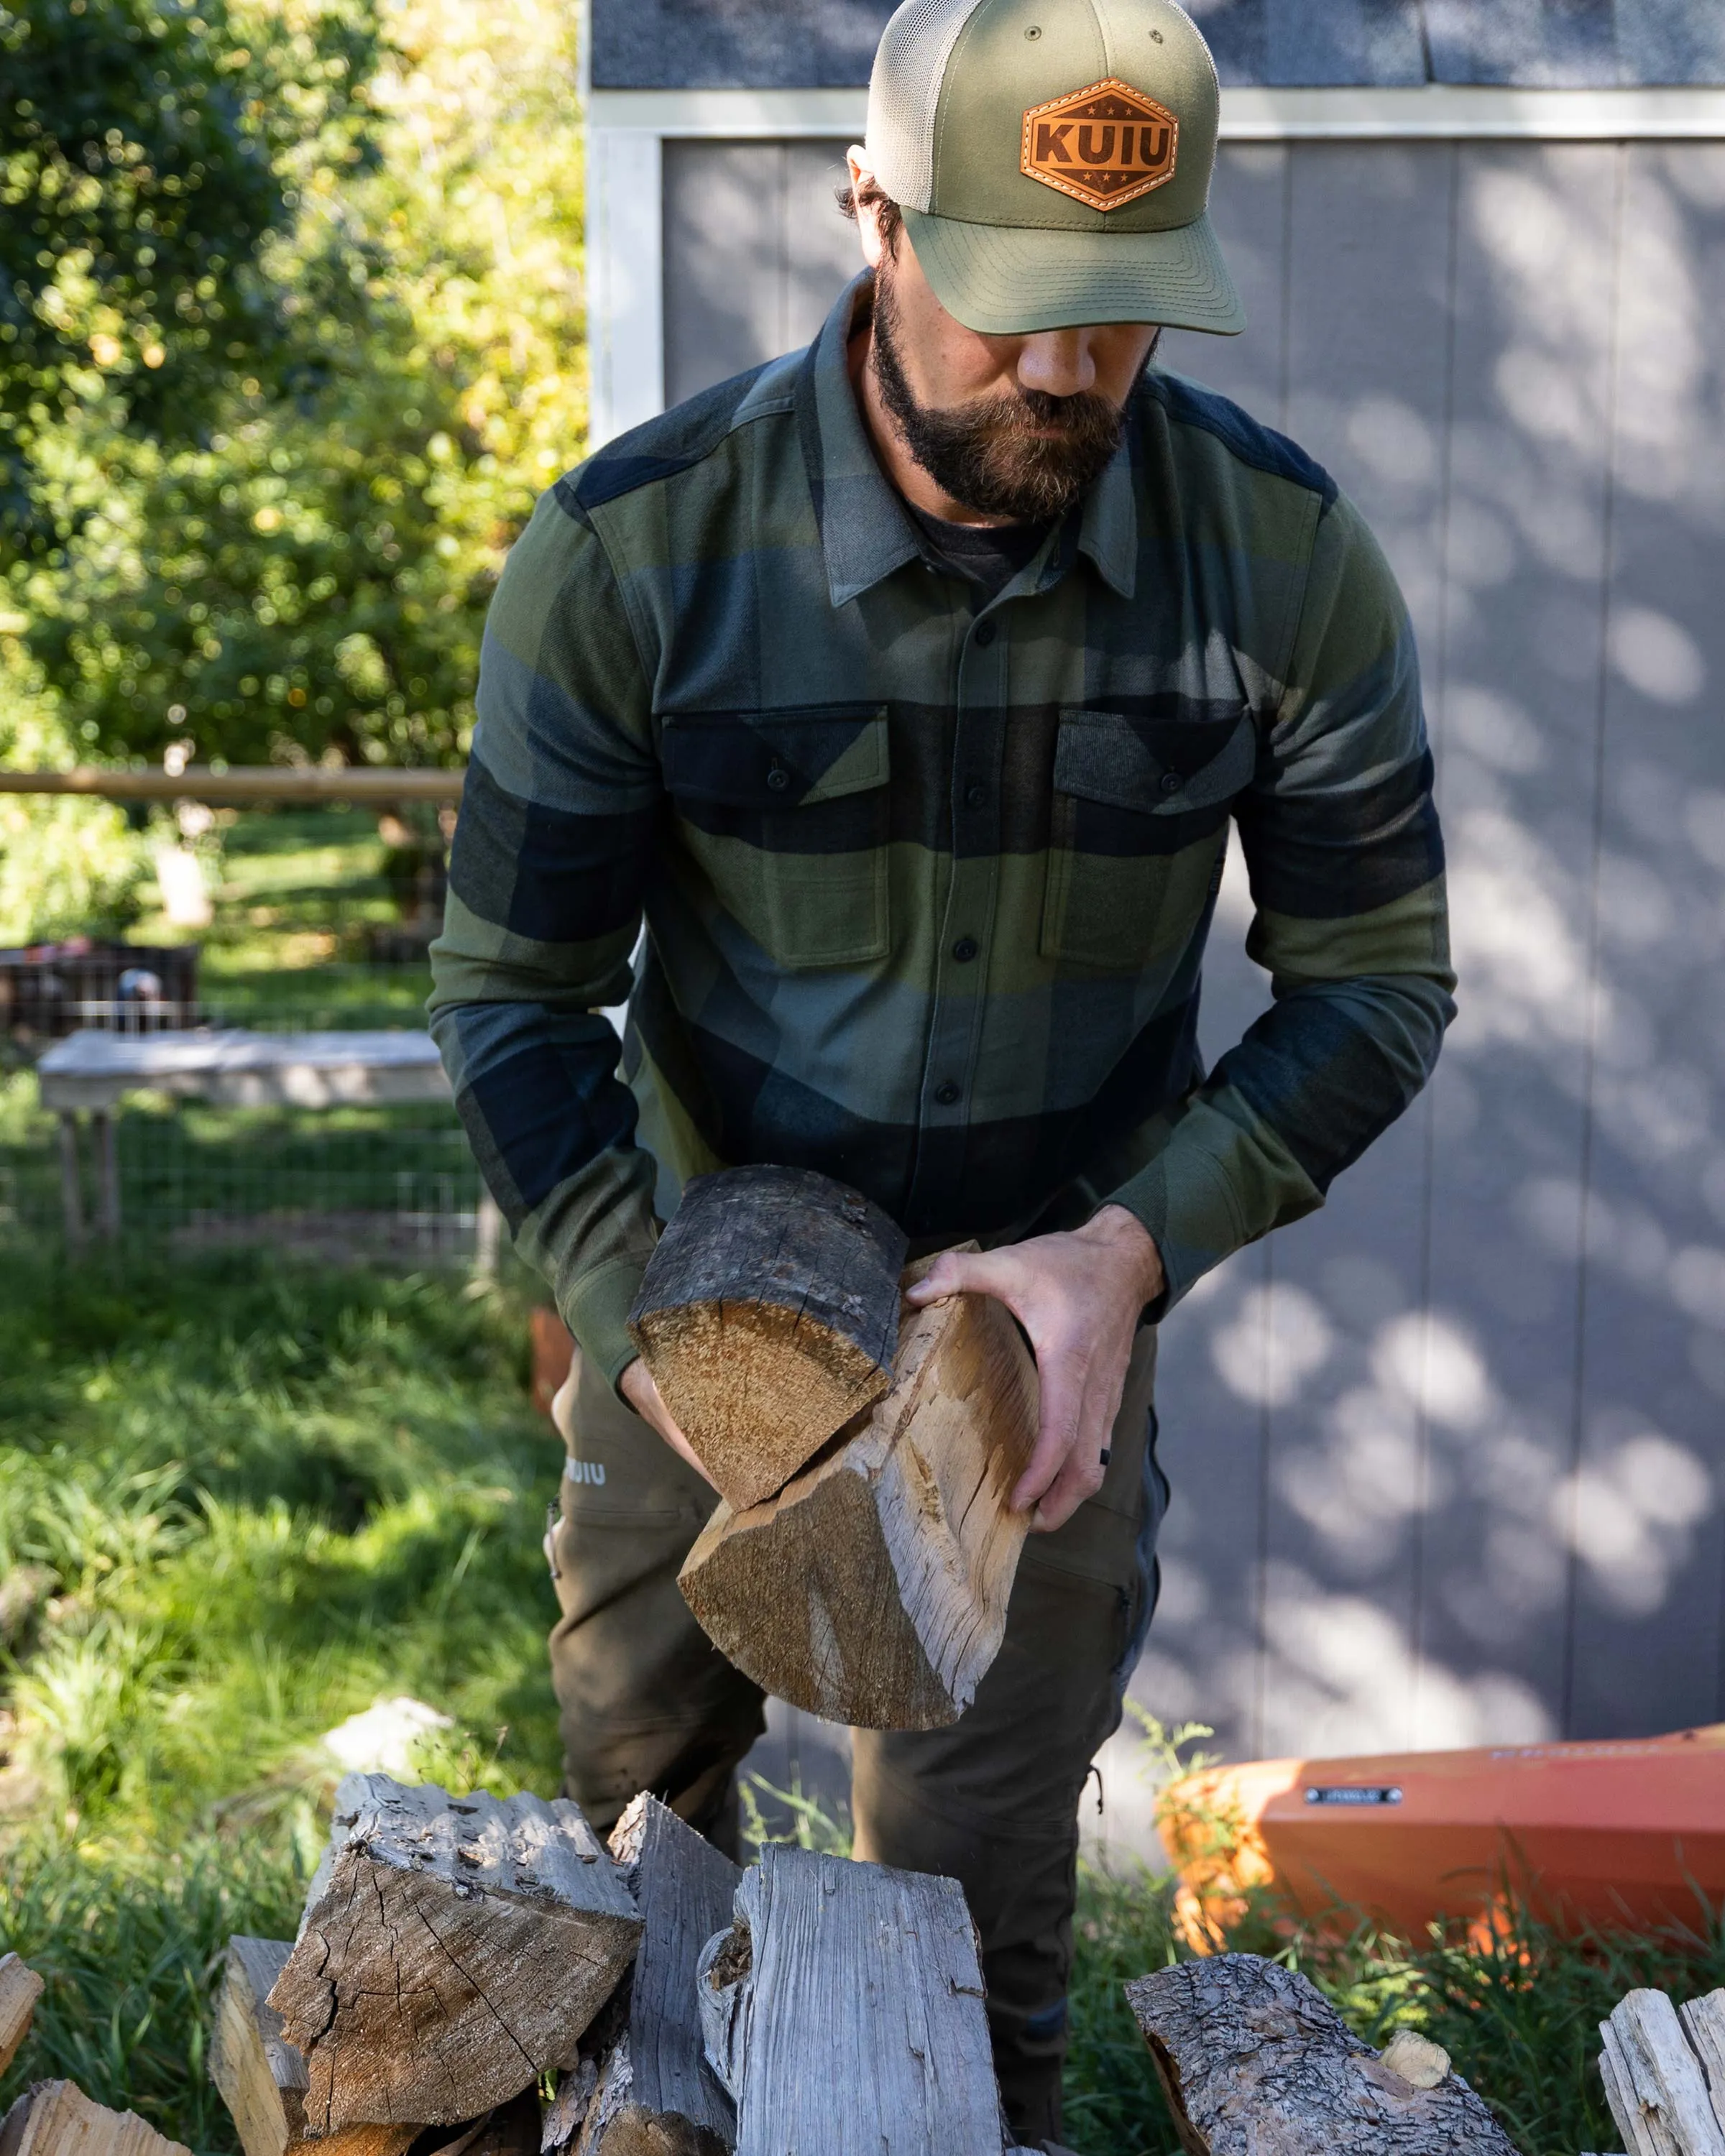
point(843, 2008)
point(20, 1988)
point(768, 1315)
point(872, 1590)
point(683, 1889)
point(57, 2119)
point(454, 1948)
point(1251, 2057)
point(1658, 2082)
point(262, 2077)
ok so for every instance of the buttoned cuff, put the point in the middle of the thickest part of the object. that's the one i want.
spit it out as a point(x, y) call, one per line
point(1220, 1183)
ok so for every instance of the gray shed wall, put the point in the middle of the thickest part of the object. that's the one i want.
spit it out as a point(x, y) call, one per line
point(1448, 1457)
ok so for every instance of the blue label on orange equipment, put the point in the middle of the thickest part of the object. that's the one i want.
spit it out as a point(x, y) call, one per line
point(1351, 1793)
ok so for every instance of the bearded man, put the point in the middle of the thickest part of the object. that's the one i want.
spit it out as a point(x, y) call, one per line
point(905, 686)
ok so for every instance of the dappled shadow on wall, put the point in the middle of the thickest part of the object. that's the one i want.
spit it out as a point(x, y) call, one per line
point(1448, 1457)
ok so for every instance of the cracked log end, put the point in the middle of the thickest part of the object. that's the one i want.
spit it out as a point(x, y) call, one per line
point(424, 1989)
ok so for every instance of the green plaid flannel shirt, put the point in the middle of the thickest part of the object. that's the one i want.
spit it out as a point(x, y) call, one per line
point(926, 884)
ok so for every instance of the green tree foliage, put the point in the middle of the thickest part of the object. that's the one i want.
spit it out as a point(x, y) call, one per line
point(304, 571)
point(143, 153)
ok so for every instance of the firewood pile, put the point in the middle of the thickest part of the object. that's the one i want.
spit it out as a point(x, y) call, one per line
point(475, 1977)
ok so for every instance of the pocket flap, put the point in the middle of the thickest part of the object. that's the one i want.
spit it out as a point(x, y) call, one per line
point(1159, 765)
point(786, 759)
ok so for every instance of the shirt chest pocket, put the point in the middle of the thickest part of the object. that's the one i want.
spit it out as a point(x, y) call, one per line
point(1138, 830)
point(785, 814)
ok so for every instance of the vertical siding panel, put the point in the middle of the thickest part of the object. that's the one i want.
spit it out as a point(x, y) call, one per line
point(1644, 1512)
point(1204, 1654)
point(1518, 783)
point(822, 254)
point(1368, 394)
point(724, 249)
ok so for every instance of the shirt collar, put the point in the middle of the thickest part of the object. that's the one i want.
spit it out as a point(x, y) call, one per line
point(865, 533)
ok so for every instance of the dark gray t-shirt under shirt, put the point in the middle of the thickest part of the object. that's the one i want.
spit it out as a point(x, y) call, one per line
point(986, 555)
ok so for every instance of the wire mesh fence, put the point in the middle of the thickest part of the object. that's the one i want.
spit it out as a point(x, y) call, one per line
point(306, 934)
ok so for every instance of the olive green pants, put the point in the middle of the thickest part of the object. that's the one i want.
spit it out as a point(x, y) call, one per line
point(647, 1703)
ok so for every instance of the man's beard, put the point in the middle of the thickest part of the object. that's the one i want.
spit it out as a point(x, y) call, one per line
point(987, 453)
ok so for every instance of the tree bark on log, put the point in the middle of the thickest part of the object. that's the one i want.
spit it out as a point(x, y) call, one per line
point(872, 1590)
point(20, 1988)
point(854, 2012)
point(261, 2076)
point(453, 1950)
point(1253, 2061)
point(769, 1316)
point(57, 2119)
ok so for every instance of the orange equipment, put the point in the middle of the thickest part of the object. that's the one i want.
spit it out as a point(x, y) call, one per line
point(1621, 1834)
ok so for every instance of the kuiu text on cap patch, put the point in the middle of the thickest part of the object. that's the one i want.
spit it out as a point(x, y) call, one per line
point(1103, 146)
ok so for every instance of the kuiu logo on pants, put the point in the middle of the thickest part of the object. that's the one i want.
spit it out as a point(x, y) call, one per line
point(585, 1471)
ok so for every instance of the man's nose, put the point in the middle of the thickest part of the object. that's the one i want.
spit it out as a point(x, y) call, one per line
point(1059, 363)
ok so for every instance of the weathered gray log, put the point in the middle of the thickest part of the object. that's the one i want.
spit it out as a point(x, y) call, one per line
point(262, 2077)
point(453, 1949)
point(1252, 2059)
point(1703, 2021)
point(683, 1889)
point(858, 2027)
point(872, 1590)
point(768, 1315)
point(1656, 2082)
point(57, 2119)
point(20, 1988)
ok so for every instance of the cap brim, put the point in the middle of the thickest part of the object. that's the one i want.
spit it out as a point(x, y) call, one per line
point(1006, 280)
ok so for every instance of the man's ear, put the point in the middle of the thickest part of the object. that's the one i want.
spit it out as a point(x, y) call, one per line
point(868, 214)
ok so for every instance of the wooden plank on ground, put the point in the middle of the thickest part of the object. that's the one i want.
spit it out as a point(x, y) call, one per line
point(453, 1949)
point(1251, 2058)
point(20, 1988)
point(856, 2024)
point(1655, 2083)
point(57, 2119)
point(769, 1316)
point(262, 2077)
point(872, 1590)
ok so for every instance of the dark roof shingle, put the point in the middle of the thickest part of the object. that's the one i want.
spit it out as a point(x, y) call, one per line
point(813, 45)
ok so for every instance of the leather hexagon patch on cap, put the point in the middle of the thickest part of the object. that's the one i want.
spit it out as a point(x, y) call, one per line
point(1103, 146)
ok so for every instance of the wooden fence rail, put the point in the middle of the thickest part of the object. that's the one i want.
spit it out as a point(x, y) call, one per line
point(254, 782)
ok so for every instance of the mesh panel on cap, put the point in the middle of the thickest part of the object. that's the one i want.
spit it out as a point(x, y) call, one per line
point(904, 90)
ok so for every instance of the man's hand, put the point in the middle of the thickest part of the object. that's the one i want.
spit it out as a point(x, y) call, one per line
point(1080, 1297)
point(637, 1386)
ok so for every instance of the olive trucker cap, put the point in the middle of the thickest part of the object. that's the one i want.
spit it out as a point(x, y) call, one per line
point(1052, 158)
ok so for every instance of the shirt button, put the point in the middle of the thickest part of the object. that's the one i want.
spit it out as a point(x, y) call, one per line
point(965, 949)
point(777, 777)
point(985, 632)
point(946, 1094)
point(975, 796)
point(1171, 781)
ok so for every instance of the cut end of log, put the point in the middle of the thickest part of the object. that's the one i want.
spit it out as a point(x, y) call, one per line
point(1420, 2063)
point(873, 1589)
point(769, 1316)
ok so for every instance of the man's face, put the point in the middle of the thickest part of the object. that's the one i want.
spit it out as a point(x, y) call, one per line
point(1014, 427)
